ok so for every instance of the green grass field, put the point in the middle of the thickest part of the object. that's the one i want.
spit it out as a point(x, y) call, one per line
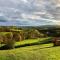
point(32, 41)
point(35, 52)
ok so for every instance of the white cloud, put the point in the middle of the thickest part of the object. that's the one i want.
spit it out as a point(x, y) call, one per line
point(30, 16)
point(31, 10)
point(25, 1)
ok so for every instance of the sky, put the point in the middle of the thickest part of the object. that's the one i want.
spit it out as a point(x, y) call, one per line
point(29, 12)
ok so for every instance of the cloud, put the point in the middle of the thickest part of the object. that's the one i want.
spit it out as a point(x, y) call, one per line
point(25, 1)
point(30, 12)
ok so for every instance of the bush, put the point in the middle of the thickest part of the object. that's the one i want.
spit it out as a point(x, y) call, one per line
point(1, 39)
point(16, 36)
point(10, 42)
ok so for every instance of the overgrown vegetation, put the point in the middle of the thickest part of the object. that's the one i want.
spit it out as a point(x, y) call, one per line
point(10, 35)
point(31, 43)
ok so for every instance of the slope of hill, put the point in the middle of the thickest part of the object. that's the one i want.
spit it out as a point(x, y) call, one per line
point(37, 52)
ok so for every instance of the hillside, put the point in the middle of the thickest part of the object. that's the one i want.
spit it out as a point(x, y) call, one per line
point(37, 52)
point(35, 45)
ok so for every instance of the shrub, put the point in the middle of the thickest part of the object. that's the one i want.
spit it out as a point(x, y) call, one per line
point(10, 42)
point(16, 36)
point(1, 39)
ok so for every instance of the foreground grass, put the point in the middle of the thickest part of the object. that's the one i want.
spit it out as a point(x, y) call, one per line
point(36, 52)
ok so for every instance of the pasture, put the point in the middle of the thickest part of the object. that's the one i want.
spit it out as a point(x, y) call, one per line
point(33, 52)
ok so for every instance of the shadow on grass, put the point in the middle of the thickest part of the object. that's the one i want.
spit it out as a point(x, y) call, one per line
point(28, 45)
point(36, 43)
point(4, 48)
point(31, 44)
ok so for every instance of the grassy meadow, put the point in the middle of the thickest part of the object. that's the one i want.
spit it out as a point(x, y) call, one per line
point(35, 52)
